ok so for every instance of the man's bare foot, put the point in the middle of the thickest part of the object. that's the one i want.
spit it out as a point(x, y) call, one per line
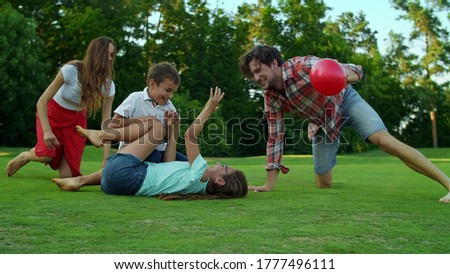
point(67, 184)
point(445, 199)
point(15, 164)
point(94, 136)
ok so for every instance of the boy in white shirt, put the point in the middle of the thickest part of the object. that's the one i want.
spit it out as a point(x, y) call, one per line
point(151, 103)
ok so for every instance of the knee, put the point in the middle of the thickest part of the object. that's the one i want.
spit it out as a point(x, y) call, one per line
point(324, 180)
point(383, 139)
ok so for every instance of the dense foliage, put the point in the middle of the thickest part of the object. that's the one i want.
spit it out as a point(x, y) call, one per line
point(409, 91)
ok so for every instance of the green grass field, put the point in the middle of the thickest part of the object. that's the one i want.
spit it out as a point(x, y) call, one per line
point(376, 205)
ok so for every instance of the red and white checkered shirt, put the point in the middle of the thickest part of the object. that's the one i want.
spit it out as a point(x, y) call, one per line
point(301, 98)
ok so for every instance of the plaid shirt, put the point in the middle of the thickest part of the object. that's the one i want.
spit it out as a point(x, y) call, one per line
point(301, 98)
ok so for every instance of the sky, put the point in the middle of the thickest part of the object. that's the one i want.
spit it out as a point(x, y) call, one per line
point(380, 15)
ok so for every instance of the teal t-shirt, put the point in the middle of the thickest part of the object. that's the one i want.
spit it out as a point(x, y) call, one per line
point(174, 178)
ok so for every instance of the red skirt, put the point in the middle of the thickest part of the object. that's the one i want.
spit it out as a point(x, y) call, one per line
point(63, 123)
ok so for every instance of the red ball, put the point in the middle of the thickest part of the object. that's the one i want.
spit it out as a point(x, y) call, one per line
point(328, 77)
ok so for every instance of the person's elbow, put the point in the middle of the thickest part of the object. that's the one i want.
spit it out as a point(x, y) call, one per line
point(190, 138)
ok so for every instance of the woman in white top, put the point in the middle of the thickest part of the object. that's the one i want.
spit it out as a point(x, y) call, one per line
point(79, 90)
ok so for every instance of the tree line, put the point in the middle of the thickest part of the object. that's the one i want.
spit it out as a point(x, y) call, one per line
point(409, 90)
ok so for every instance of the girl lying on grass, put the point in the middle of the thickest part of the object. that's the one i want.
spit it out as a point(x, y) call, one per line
point(127, 174)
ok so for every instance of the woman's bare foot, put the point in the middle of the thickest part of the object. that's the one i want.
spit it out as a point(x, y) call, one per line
point(445, 199)
point(68, 184)
point(15, 164)
point(94, 136)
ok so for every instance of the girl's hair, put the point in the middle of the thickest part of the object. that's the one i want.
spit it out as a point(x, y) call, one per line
point(95, 72)
point(261, 53)
point(235, 187)
point(162, 71)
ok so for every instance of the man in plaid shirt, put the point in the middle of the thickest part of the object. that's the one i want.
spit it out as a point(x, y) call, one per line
point(287, 88)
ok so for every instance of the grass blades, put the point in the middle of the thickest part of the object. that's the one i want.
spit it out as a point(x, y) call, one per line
point(376, 206)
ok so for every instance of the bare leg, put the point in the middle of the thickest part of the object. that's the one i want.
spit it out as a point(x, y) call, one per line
point(412, 158)
point(324, 180)
point(24, 158)
point(96, 137)
point(147, 143)
point(75, 183)
point(128, 133)
point(64, 169)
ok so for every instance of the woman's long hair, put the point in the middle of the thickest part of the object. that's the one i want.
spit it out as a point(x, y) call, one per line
point(235, 187)
point(95, 72)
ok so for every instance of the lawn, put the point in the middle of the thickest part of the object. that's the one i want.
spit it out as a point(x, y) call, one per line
point(376, 205)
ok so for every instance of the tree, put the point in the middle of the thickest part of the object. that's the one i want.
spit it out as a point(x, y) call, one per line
point(435, 61)
point(66, 28)
point(205, 45)
point(303, 28)
point(355, 30)
point(23, 77)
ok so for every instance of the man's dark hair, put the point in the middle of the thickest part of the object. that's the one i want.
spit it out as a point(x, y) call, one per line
point(262, 53)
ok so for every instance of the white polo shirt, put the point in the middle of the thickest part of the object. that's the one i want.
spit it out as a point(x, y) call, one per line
point(139, 104)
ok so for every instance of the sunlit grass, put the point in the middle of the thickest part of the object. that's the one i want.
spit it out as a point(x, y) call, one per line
point(376, 205)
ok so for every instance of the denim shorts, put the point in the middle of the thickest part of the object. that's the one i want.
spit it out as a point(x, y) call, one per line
point(357, 113)
point(123, 174)
point(157, 156)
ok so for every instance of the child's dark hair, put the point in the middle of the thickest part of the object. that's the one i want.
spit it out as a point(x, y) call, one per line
point(162, 71)
point(261, 53)
point(235, 187)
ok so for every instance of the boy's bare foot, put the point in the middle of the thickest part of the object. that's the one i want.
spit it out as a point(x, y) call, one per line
point(67, 184)
point(94, 136)
point(445, 199)
point(16, 163)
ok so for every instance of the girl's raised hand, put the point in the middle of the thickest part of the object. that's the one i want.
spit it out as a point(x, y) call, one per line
point(215, 96)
